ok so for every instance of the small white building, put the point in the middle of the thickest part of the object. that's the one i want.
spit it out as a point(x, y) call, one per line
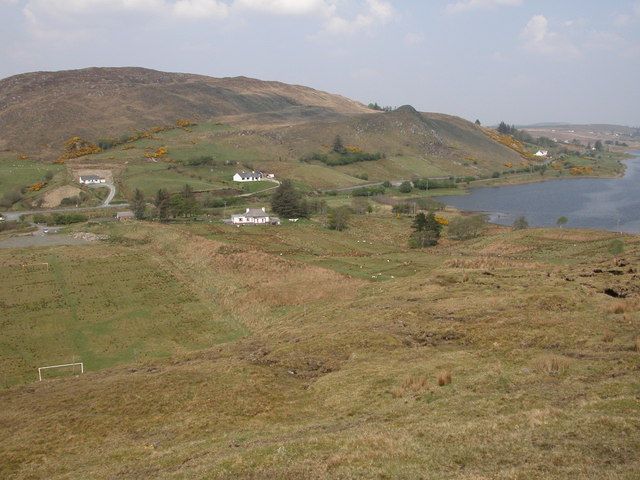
point(541, 153)
point(254, 216)
point(125, 215)
point(247, 177)
point(91, 179)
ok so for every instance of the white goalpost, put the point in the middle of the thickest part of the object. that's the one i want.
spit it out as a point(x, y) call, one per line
point(40, 369)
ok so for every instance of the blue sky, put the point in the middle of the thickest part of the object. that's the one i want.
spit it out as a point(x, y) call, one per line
point(522, 61)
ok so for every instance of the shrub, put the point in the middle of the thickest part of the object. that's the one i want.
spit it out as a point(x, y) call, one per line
point(201, 160)
point(404, 208)
point(405, 187)
point(361, 205)
point(68, 218)
point(368, 191)
point(386, 184)
point(616, 247)
point(520, 223)
point(427, 184)
point(338, 218)
point(66, 201)
point(463, 228)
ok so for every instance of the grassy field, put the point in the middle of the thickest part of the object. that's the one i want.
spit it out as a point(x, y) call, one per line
point(298, 352)
point(15, 174)
point(105, 304)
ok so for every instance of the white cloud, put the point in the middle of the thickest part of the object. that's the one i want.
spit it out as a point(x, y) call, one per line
point(197, 9)
point(413, 38)
point(52, 17)
point(631, 16)
point(467, 5)
point(538, 38)
point(376, 12)
point(286, 7)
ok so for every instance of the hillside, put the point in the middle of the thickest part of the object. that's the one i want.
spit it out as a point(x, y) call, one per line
point(40, 110)
point(240, 123)
point(299, 352)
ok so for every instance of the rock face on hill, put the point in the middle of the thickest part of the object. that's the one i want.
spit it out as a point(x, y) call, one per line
point(39, 110)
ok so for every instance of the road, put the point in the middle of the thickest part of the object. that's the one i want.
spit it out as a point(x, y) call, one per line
point(105, 204)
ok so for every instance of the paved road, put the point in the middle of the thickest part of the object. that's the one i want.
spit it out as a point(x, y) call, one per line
point(112, 192)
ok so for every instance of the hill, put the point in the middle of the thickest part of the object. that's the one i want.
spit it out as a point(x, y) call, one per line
point(299, 352)
point(40, 110)
point(238, 123)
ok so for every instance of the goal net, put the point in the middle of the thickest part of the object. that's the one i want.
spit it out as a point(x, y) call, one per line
point(75, 368)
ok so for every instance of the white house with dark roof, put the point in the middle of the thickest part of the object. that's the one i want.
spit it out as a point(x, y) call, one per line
point(91, 179)
point(254, 216)
point(247, 177)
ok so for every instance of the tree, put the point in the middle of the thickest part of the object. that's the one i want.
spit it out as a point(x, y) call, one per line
point(464, 228)
point(598, 146)
point(338, 218)
point(138, 204)
point(478, 122)
point(161, 203)
point(504, 128)
point(189, 202)
point(520, 223)
point(426, 231)
point(338, 146)
point(405, 187)
point(562, 221)
point(286, 201)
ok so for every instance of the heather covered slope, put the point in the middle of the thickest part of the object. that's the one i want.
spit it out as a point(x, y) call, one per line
point(40, 110)
point(334, 371)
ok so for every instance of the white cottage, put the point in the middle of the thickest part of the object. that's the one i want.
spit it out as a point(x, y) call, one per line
point(91, 179)
point(247, 177)
point(541, 153)
point(254, 216)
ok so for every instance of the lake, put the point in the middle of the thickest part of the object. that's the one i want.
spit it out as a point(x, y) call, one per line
point(602, 203)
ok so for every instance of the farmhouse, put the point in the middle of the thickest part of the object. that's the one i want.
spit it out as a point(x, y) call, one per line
point(247, 177)
point(91, 179)
point(254, 216)
point(541, 153)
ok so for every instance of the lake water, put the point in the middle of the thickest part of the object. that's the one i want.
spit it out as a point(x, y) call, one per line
point(608, 204)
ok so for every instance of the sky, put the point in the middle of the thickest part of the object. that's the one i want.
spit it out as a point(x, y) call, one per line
point(521, 61)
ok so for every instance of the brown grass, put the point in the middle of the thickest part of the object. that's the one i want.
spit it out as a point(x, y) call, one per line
point(412, 385)
point(551, 364)
point(636, 345)
point(444, 378)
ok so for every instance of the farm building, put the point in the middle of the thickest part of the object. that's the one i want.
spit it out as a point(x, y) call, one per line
point(541, 153)
point(247, 177)
point(254, 216)
point(91, 179)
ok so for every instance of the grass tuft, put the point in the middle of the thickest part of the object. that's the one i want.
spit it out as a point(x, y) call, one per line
point(444, 378)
